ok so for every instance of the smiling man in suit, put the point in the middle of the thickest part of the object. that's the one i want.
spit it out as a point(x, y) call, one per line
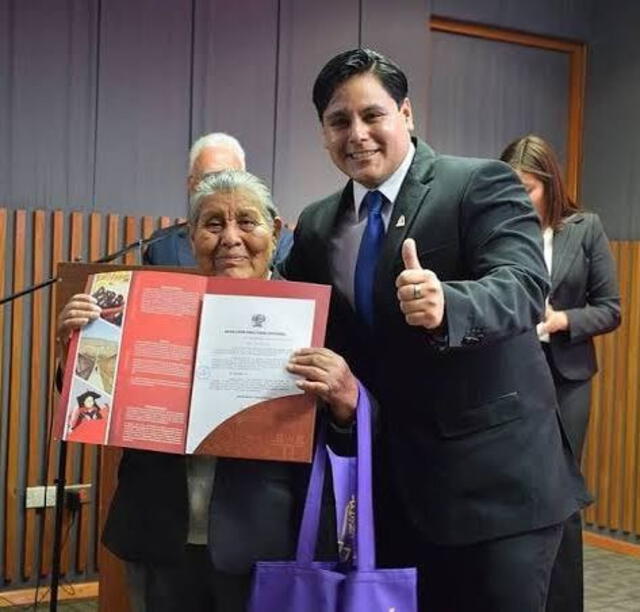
point(439, 281)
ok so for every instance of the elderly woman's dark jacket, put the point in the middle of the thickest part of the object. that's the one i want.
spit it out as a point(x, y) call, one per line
point(255, 507)
point(254, 515)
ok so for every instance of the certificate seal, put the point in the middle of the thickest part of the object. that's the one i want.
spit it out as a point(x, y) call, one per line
point(258, 320)
point(203, 372)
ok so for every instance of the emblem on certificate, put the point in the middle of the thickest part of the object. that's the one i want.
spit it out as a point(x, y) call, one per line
point(258, 320)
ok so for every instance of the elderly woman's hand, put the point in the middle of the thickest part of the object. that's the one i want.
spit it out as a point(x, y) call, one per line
point(327, 376)
point(80, 310)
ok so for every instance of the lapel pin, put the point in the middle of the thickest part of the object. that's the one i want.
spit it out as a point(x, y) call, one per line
point(400, 221)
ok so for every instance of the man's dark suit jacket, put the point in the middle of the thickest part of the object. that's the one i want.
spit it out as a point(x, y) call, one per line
point(469, 430)
point(584, 285)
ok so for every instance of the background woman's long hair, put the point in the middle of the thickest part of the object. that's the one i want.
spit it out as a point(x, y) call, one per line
point(534, 155)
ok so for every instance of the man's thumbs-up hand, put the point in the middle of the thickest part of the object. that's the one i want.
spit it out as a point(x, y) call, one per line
point(419, 291)
point(410, 255)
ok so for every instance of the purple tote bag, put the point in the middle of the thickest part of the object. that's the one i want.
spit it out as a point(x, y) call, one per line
point(305, 585)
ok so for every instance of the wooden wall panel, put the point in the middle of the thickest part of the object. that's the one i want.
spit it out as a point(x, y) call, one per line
point(16, 382)
point(130, 235)
point(38, 370)
point(619, 397)
point(631, 522)
point(630, 409)
point(31, 245)
point(3, 250)
point(147, 226)
point(612, 450)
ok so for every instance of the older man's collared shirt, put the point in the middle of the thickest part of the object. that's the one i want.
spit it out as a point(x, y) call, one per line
point(345, 241)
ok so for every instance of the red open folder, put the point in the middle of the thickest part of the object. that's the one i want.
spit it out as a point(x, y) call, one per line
point(143, 375)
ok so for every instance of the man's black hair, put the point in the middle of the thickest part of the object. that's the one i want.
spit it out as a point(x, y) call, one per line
point(352, 63)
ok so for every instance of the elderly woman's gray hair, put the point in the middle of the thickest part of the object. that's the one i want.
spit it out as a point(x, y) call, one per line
point(230, 181)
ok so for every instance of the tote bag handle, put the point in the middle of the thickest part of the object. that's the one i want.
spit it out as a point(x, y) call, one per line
point(365, 544)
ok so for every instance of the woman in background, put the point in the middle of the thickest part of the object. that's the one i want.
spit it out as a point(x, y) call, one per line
point(584, 301)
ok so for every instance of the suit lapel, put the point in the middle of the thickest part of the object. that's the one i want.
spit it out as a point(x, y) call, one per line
point(411, 198)
point(566, 243)
point(326, 222)
point(345, 329)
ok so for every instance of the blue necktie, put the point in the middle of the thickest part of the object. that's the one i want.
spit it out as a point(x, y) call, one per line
point(368, 256)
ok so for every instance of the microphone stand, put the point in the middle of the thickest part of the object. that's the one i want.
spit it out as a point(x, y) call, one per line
point(142, 242)
point(60, 480)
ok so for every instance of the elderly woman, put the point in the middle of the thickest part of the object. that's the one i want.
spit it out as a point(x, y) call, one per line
point(190, 528)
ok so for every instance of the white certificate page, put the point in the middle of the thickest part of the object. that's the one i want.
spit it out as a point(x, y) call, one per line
point(244, 345)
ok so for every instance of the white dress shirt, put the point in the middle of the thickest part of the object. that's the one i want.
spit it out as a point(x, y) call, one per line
point(547, 239)
point(345, 242)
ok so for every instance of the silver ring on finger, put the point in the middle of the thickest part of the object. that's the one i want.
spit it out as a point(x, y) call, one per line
point(417, 294)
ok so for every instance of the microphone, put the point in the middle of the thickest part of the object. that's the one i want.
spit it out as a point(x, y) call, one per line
point(157, 235)
point(168, 230)
point(142, 242)
point(163, 232)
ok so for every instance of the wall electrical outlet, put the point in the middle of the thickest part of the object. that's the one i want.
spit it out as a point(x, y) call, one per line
point(45, 497)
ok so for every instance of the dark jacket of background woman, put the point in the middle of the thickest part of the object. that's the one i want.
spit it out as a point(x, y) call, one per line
point(584, 285)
